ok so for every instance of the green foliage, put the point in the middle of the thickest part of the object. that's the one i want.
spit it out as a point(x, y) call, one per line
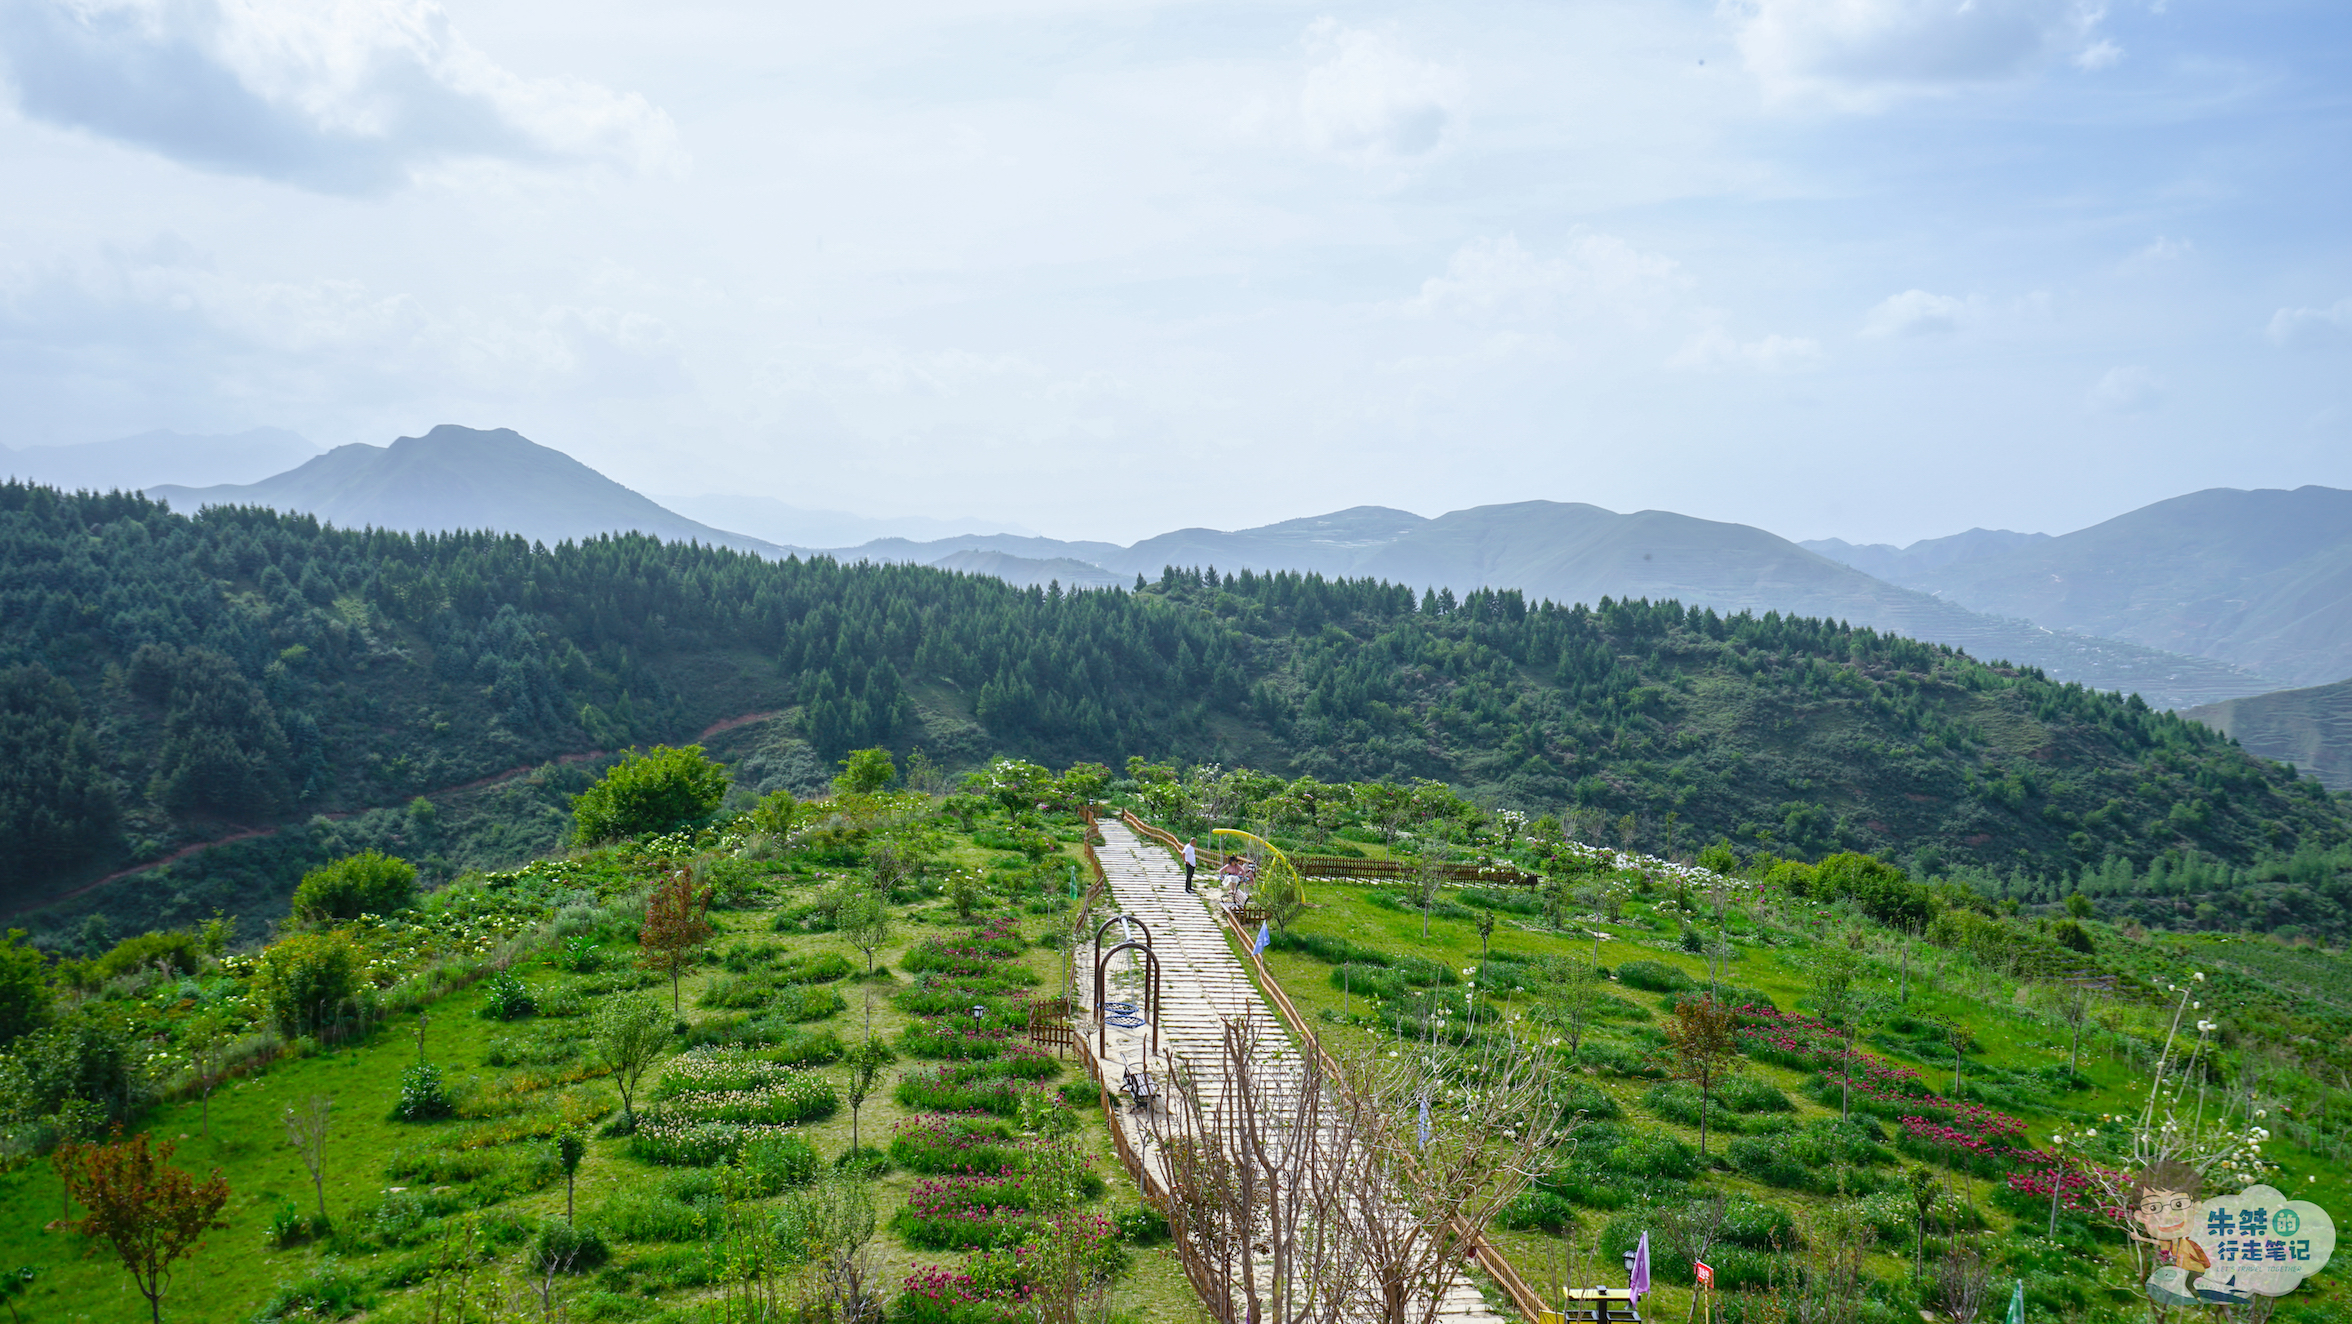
point(369, 883)
point(779, 1162)
point(560, 1247)
point(866, 771)
point(660, 791)
point(424, 1095)
point(306, 978)
point(504, 998)
point(25, 999)
point(174, 950)
point(1653, 976)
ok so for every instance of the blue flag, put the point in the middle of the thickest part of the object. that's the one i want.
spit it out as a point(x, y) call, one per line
point(1259, 949)
point(1425, 1121)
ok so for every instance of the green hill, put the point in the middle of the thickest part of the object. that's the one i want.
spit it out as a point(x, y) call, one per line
point(175, 680)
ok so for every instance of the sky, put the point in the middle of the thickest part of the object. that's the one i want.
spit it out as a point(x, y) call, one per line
point(1874, 269)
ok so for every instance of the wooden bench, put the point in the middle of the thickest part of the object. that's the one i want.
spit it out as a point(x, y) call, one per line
point(1139, 1086)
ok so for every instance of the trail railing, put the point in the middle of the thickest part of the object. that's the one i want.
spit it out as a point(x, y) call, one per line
point(1343, 869)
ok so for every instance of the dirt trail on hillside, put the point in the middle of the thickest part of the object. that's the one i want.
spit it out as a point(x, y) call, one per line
point(249, 834)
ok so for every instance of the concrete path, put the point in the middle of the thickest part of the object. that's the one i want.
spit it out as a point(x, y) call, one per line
point(1202, 985)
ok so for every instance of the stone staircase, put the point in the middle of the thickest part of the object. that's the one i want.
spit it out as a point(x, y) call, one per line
point(1202, 986)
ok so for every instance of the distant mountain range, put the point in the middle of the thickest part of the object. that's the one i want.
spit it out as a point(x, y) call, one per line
point(2216, 596)
point(2310, 728)
point(133, 464)
point(796, 526)
point(462, 478)
point(1572, 552)
point(2261, 580)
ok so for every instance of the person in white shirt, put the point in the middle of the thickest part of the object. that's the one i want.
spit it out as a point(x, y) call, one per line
point(1190, 859)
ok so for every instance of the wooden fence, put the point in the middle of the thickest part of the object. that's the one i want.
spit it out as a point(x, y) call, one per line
point(1341, 868)
point(1530, 1305)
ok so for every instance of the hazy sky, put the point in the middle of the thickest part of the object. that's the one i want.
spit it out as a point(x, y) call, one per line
point(1883, 269)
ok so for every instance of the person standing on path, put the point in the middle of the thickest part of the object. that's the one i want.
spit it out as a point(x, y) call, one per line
point(1190, 859)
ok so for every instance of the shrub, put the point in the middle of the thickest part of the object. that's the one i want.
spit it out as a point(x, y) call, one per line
point(815, 968)
point(1676, 1102)
point(505, 999)
point(330, 1291)
point(659, 1213)
point(1653, 976)
point(1653, 1154)
point(775, 1041)
point(1141, 1227)
point(662, 791)
point(369, 883)
point(1759, 1226)
point(1749, 1095)
point(424, 1096)
point(175, 949)
point(568, 1249)
point(306, 977)
point(1769, 1162)
point(779, 1162)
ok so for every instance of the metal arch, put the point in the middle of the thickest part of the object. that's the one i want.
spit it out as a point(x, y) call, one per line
point(1151, 997)
point(1106, 924)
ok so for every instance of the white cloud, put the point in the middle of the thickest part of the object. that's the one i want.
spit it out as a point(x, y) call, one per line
point(2131, 389)
point(1858, 53)
point(1367, 96)
point(2160, 250)
point(339, 96)
point(2304, 327)
point(1490, 279)
point(1713, 347)
point(1918, 313)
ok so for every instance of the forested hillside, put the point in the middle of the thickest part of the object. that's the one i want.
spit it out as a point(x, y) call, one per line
point(171, 679)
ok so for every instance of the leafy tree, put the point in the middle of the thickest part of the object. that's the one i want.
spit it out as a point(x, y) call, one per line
point(630, 1034)
point(657, 792)
point(1703, 1039)
point(14, 1283)
point(777, 814)
point(570, 1148)
point(25, 998)
point(369, 883)
point(677, 923)
point(151, 1213)
point(865, 1063)
point(865, 771)
point(864, 922)
point(305, 978)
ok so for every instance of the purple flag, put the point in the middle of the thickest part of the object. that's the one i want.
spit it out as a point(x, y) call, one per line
point(1640, 1279)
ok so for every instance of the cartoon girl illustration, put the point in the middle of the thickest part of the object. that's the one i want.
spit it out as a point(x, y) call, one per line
point(2164, 1202)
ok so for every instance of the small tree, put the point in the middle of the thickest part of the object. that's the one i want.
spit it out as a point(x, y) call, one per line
point(306, 978)
point(1703, 1044)
point(306, 1131)
point(864, 922)
point(1575, 993)
point(205, 1043)
point(150, 1212)
point(630, 1034)
point(1924, 1191)
point(865, 771)
point(369, 883)
point(570, 1148)
point(865, 1063)
point(1428, 877)
point(1956, 1037)
point(657, 792)
point(2074, 1014)
point(676, 923)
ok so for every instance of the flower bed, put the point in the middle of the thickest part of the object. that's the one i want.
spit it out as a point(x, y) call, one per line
point(957, 1142)
point(945, 1038)
point(948, 1090)
point(713, 1070)
point(698, 1144)
point(1967, 1136)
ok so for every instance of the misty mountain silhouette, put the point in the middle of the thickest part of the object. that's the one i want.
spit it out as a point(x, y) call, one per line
point(463, 478)
point(134, 464)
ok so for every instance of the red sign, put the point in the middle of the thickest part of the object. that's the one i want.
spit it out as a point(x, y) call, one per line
point(1706, 1275)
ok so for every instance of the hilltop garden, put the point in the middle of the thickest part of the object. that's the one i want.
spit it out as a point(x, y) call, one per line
point(736, 1066)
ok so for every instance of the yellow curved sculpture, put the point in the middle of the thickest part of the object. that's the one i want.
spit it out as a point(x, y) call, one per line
point(1274, 854)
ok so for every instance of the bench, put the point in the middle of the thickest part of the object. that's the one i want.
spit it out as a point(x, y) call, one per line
point(1596, 1305)
point(1139, 1086)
